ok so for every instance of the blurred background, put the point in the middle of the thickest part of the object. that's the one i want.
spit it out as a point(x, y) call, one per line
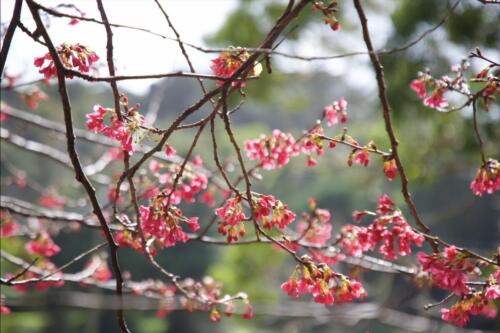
point(438, 149)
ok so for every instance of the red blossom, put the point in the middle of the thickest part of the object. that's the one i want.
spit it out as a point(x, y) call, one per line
point(247, 311)
point(7, 227)
point(388, 228)
point(71, 56)
point(390, 169)
point(335, 112)
point(361, 157)
point(418, 86)
point(436, 100)
point(325, 286)
point(33, 97)
point(228, 62)
point(43, 245)
point(126, 132)
point(169, 150)
point(314, 228)
point(50, 199)
point(272, 151)
point(487, 178)
point(231, 219)
point(447, 269)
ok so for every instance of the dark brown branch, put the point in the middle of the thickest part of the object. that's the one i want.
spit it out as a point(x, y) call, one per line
point(79, 173)
point(9, 35)
point(379, 73)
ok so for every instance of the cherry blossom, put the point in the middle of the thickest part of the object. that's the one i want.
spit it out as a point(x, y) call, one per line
point(388, 228)
point(71, 56)
point(43, 245)
point(487, 178)
point(447, 269)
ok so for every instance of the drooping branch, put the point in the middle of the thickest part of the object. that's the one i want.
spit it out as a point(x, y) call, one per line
point(79, 172)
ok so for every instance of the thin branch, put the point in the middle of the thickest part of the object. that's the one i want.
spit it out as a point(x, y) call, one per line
point(477, 133)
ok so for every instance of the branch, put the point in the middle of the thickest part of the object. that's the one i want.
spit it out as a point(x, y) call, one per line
point(379, 73)
point(79, 173)
point(16, 16)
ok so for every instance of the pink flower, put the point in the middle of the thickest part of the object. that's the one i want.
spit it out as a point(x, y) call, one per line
point(389, 228)
point(121, 131)
point(231, 217)
point(325, 286)
point(50, 199)
point(169, 151)
point(248, 311)
point(192, 223)
point(71, 56)
point(361, 157)
point(436, 100)
point(43, 245)
point(227, 63)
point(208, 198)
point(418, 86)
point(446, 269)
point(390, 169)
point(487, 178)
point(290, 287)
point(33, 97)
point(335, 112)
point(164, 226)
point(272, 151)
point(8, 228)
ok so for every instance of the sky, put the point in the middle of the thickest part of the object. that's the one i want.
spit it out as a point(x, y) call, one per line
point(141, 53)
point(136, 52)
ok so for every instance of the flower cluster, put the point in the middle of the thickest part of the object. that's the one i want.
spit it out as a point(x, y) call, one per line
point(51, 199)
point(33, 97)
point(271, 212)
point(231, 219)
point(328, 10)
point(126, 132)
point(189, 185)
point(436, 99)
point(8, 226)
point(71, 56)
point(326, 286)
point(228, 62)
point(470, 304)
point(487, 178)
point(165, 226)
point(336, 112)
point(388, 227)
point(447, 269)
point(312, 143)
point(126, 238)
point(314, 227)
point(43, 245)
point(273, 151)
